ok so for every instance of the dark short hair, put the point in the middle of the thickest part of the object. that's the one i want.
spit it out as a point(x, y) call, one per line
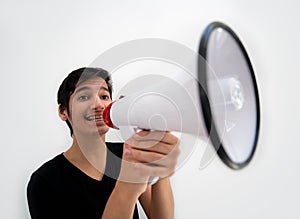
point(67, 88)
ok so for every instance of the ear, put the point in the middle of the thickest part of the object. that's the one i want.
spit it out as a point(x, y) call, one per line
point(63, 113)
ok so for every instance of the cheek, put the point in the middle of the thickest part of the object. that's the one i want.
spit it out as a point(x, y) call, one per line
point(107, 103)
point(76, 110)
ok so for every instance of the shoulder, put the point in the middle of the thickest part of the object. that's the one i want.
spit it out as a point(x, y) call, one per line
point(43, 180)
point(49, 170)
point(50, 166)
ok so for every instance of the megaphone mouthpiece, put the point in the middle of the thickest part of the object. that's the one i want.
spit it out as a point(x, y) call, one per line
point(106, 116)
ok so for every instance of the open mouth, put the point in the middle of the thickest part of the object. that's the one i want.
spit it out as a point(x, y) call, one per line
point(94, 118)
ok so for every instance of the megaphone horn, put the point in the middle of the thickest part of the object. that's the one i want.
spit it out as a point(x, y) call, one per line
point(220, 102)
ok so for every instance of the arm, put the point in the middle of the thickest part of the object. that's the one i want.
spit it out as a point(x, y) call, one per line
point(145, 154)
point(41, 202)
point(122, 201)
point(163, 148)
point(158, 200)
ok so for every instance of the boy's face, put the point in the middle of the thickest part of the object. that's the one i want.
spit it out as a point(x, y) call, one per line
point(86, 107)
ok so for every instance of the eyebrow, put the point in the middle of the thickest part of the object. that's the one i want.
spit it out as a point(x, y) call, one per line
point(77, 90)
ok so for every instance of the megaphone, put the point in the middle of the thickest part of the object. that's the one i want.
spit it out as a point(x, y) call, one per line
point(221, 101)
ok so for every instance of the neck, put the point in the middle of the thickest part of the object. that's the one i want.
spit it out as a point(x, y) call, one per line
point(85, 153)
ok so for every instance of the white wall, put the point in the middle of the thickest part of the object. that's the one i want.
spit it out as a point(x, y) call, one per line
point(42, 41)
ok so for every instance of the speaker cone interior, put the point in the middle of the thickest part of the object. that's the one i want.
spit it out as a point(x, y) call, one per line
point(235, 134)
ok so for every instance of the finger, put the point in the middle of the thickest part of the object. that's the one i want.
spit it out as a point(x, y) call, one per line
point(145, 139)
point(160, 147)
point(149, 135)
point(163, 136)
point(144, 156)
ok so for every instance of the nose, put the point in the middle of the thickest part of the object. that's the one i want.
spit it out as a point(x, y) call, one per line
point(99, 104)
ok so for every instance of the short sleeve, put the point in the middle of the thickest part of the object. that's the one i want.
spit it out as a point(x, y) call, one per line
point(41, 200)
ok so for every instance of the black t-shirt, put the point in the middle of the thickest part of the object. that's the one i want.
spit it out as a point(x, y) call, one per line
point(58, 189)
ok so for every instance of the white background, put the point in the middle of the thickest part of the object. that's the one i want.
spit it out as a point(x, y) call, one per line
point(42, 41)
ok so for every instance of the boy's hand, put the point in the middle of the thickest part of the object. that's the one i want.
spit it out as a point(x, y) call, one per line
point(149, 153)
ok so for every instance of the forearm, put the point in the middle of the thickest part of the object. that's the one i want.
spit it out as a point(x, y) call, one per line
point(122, 201)
point(162, 201)
point(158, 157)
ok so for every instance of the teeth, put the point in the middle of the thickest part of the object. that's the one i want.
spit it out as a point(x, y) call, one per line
point(90, 118)
point(98, 117)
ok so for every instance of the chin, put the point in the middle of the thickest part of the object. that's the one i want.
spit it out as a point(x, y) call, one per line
point(103, 131)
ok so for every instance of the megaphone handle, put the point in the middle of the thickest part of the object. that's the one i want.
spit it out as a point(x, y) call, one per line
point(153, 180)
point(126, 133)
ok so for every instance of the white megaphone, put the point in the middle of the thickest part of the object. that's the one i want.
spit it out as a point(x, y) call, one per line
point(221, 101)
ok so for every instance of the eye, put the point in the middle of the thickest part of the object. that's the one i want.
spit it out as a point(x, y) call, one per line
point(83, 98)
point(104, 97)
